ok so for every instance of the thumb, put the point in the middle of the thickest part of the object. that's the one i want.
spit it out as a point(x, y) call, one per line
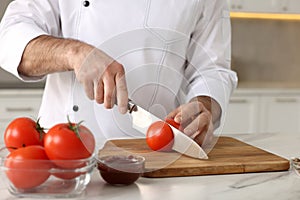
point(176, 115)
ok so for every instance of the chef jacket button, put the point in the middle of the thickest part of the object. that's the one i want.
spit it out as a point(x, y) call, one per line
point(86, 3)
point(75, 108)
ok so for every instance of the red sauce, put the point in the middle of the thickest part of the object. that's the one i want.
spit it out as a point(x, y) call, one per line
point(122, 170)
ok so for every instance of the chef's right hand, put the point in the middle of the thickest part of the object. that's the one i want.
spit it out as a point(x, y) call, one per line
point(103, 78)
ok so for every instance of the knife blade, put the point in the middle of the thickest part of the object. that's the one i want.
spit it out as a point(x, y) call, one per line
point(142, 119)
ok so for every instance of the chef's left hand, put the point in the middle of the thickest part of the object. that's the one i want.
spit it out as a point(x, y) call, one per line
point(197, 118)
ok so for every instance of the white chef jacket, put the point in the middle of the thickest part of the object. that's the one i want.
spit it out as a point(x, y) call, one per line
point(172, 51)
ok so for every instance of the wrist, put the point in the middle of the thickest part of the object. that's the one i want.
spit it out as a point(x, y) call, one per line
point(76, 53)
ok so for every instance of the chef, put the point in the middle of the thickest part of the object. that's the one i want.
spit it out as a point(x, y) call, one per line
point(170, 57)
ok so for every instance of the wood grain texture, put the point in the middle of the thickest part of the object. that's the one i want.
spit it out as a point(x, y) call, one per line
point(228, 156)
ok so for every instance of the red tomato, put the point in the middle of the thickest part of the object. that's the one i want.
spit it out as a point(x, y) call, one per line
point(23, 132)
point(66, 175)
point(28, 167)
point(173, 123)
point(67, 143)
point(160, 136)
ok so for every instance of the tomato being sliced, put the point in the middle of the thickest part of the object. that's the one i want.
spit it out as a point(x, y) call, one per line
point(160, 136)
point(23, 131)
point(173, 123)
point(28, 167)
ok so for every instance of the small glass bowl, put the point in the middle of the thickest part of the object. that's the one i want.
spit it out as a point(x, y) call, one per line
point(54, 181)
point(121, 169)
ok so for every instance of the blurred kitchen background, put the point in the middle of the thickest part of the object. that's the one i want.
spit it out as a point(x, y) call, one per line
point(266, 51)
point(6, 79)
point(265, 48)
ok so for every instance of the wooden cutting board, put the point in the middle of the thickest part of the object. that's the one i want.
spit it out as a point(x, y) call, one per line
point(228, 156)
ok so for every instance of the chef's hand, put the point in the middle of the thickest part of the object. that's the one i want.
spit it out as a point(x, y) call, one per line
point(197, 118)
point(103, 78)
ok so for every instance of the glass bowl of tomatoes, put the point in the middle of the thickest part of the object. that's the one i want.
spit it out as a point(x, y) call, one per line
point(121, 169)
point(27, 172)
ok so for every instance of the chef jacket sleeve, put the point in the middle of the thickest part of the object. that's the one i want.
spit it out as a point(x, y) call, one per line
point(209, 56)
point(23, 21)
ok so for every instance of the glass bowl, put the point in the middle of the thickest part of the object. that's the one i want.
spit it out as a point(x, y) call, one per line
point(120, 169)
point(43, 178)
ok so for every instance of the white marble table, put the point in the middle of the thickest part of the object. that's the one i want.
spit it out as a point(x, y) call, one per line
point(254, 186)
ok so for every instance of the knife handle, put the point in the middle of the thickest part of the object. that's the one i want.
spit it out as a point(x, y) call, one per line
point(131, 106)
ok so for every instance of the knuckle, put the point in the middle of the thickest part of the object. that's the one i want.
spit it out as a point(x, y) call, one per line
point(207, 116)
point(108, 97)
point(119, 68)
point(122, 87)
point(108, 72)
point(115, 68)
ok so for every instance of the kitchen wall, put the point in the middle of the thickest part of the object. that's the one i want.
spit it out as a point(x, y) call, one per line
point(7, 80)
point(266, 52)
point(3, 5)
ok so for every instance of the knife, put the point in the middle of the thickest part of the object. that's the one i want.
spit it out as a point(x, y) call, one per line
point(142, 119)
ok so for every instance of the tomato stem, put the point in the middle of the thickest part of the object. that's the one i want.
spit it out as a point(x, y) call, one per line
point(74, 127)
point(39, 129)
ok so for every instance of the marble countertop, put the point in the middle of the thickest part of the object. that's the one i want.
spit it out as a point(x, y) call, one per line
point(254, 186)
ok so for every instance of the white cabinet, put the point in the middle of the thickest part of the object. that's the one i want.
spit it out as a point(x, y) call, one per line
point(241, 116)
point(235, 5)
point(256, 5)
point(281, 113)
point(265, 6)
point(261, 111)
point(18, 103)
point(291, 6)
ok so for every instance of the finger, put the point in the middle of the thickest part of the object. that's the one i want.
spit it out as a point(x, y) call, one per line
point(200, 137)
point(188, 112)
point(109, 90)
point(173, 113)
point(99, 92)
point(89, 89)
point(207, 141)
point(121, 91)
point(199, 124)
point(192, 128)
point(205, 137)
